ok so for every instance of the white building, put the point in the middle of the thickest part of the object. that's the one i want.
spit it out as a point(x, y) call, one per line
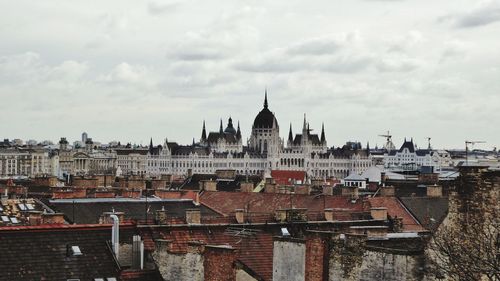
point(265, 150)
point(410, 158)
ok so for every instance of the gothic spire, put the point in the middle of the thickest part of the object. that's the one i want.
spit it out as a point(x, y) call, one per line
point(221, 130)
point(304, 126)
point(151, 146)
point(203, 132)
point(238, 131)
point(290, 134)
point(265, 99)
point(323, 139)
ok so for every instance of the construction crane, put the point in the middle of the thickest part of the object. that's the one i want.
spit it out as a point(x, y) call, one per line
point(467, 149)
point(389, 145)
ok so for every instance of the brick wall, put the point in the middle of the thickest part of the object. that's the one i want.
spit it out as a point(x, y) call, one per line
point(316, 249)
point(219, 263)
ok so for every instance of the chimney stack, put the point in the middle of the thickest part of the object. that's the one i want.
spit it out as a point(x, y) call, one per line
point(434, 191)
point(193, 216)
point(387, 191)
point(161, 216)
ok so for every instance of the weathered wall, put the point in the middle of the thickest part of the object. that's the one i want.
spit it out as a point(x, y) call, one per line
point(379, 266)
point(178, 267)
point(289, 260)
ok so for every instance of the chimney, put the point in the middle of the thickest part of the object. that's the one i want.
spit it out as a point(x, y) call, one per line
point(137, 253)
point(218, 263)
point(327, 190)
point(193, 216)
point(387, 191)
point(329, 214)
point(434, 191)
point(303, 189)
point(161, 216)
point(379, 213)
point(270, 188)
point(115, 235)
point(246, 187)
point(53, 218)
point(106, 217)
point(240, 215)
point(35, 217)
point(208, 185)
point(350, 191)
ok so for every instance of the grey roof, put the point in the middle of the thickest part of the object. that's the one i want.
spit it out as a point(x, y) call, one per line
point(429, 211)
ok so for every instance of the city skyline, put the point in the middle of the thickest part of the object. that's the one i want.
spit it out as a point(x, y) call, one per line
point(133, 71)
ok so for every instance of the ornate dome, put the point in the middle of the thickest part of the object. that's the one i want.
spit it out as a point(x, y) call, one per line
point(230, 128)
point(265, 118)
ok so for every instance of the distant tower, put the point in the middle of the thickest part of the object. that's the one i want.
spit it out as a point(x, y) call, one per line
point(84, 137)
point(203, 139)
point(265, 132)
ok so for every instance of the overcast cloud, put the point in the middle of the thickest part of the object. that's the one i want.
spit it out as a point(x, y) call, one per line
point(131, 70)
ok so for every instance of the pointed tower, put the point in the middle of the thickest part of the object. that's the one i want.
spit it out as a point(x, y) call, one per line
point(238, 132)
point(290, 136)
point(265, 100)
point(151, 146)
point(203, 134)
point(323, 139)
point(221, 130)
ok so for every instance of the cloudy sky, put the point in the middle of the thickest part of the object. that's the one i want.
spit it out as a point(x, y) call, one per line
point(131, 70)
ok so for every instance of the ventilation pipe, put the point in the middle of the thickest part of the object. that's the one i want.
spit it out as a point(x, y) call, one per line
point(115, 235)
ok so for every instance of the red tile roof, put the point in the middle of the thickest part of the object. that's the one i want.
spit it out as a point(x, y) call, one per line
point(288, 177)
point(267, 203)
point(396, 209)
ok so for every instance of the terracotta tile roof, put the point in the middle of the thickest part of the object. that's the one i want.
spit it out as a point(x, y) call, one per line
point(266, 203)
point(396, 209)
point(282, 177)
point(254, 251)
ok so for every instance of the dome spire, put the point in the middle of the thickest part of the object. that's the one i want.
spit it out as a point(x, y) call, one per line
point(265, 99)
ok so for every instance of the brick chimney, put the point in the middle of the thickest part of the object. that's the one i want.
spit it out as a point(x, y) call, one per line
point(379, 213)
point(350, 191)
point(327, 190)
point(317, 256)
point(240, 215)
point(208, 185)
point(161, 216)
point(193, 216)
point(106, 217)
point(434, 191)
point(387, 191)
point(53, 218)
point(219, 263)
point(303, 189)
point(35, 217)
point(246, 187)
